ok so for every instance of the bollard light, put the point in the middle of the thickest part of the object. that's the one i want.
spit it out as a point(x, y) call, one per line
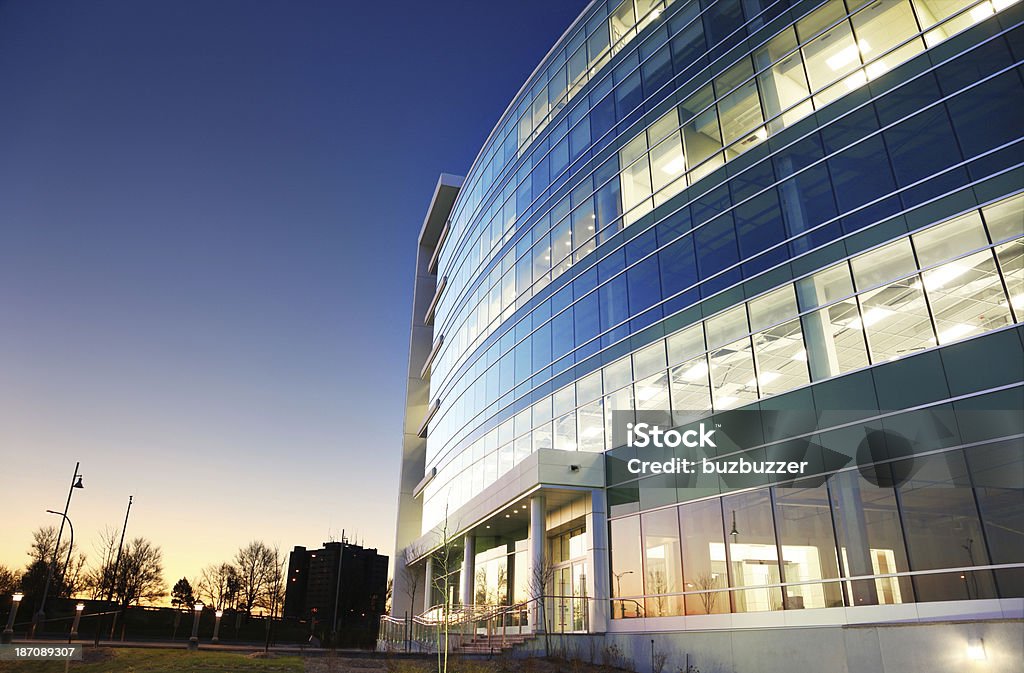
point(78, 618)
point(193, 642)
point(8, 634)
point(216, 625)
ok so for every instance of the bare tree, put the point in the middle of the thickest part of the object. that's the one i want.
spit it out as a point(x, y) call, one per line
point(218, 585)
point(10, 580)
point(67, 565)
point(271, 598)
point(255, 565)
point(44, 540)
point(708, 598)
point(410, 577)
point(542, 576)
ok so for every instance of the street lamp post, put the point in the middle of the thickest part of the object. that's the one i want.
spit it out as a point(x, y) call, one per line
point(8, 634)
point(71, 543)
point(193, 642)
point(216, 626)
point(618, 590)
point(74, 625)
point(40, 616)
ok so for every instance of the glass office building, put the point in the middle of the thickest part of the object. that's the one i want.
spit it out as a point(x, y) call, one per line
point(801, 222)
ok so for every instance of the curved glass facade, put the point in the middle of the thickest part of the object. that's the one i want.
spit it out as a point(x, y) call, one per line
point(732, 206)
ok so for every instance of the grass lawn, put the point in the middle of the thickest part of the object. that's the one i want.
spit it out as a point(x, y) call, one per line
point(128, 660)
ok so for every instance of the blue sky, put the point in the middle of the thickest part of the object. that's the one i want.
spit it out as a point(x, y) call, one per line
point(208, 214)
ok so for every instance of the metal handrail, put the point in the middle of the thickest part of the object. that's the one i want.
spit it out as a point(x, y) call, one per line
point(459, 624)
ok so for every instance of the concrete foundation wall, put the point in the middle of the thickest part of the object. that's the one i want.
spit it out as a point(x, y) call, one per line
point(939, 647)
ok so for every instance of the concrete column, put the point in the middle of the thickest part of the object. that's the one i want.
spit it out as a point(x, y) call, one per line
point(598, 588)
point(468, 569)
point(537, 551)
point(428, 583)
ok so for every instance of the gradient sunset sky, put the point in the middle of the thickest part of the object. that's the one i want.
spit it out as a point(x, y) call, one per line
point(208, 214)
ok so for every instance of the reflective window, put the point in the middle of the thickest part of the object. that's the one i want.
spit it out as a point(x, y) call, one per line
point(825, 286)
point(870, 537)
point(895, 319)
point(966, 297)
point(835, 340)
point(804, 521)
point(704, 565)
point(882, 264)
point(949, 239)
point(663, 573)
point(753, 554)
point(942, 527)
point(781, 358)
point(627, 567)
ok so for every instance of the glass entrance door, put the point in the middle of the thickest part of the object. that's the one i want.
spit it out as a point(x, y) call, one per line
point(569, 602)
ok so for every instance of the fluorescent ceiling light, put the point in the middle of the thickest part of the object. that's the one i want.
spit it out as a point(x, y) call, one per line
point(697, 371)
point(592, 431)
point(800, 355)
point(871, 316)
point(725, 401)
point(646, 392)
point(876, 69)
point(955, 331)
point(936, 278)
point(982, 12)
point(847, 55)
point(764, 379)
point(677, 165)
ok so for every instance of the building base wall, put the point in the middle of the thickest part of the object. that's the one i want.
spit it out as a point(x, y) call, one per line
point(866, 648)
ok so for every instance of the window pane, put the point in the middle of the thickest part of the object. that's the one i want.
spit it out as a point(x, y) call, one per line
point(590, 436)
point(931, 12)
point(998, 474)
point(588, 387)
point(652, 393)
point(667, 168)
point(649, 360)
point(732, 375)
point(772, 308)
point(896, 321)
point(627, 568)
point(804, 520)
point(882, 264)
point(831, 56)
point(825, 286)
point(685, 344)
point(943, 529)
point(1005, 219)
point(739, 107)
point(565, 432)
point(966, 297)
point(704, 566)
point(617, 374)
point(753, 556)
point(618, 408)
point(785, 84)
point(690, 390)
point(726, 326)
point(870, 538)
point(702, 138)
point(835, 342)
point(781, 360)
point(949, 239)
point(883, 25)
point(1011, 264)
point(663, 573)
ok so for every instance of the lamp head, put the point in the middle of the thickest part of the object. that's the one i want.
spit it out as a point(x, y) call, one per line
point(78, 483)
point(198, 606)
point(220, 613)
point(80, 607)
point(17, 597)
